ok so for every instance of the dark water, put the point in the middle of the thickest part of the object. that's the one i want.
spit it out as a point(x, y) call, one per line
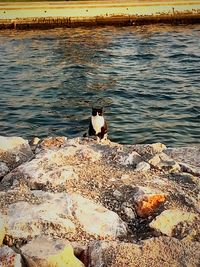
point(147, 78)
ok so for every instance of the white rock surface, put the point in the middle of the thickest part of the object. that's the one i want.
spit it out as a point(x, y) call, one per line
point(142, 167)
point(9, 258)
point(98, 220)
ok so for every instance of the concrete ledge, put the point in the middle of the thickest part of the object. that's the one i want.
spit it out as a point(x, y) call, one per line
point(45, 15)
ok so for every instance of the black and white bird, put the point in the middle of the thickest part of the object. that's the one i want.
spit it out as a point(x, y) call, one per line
point(98, 126)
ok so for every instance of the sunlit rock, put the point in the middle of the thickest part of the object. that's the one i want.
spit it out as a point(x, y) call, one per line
point(9, 258)
point(142, 167)
point(132, 158)
point(162, 251)
point(2, 228)
point(49, 217)
point(97, 220)
point(14, 151)
point(48, 252)
point(167, 221)
point(163, 161)
point(147, 201)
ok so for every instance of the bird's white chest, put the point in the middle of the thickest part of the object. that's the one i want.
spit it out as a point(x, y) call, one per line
point(97, 123)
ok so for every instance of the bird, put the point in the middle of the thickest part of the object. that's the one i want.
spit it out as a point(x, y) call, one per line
point(98, 126)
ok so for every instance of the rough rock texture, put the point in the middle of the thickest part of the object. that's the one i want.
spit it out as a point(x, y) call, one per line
point(2, 228)
point(48, 252)
point(60, 214)
point(9, 258)
point(82, 191)
point(163, 251)
point(14, 151)
point(167, 221)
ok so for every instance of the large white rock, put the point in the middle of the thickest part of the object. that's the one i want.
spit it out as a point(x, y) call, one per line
point(58, 214)
point(49, 252)
point(169, 219)
point(98, 220)
point(49, 217)
point(9, 258)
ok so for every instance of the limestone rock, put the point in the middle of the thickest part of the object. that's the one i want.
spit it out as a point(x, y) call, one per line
point(2, 228)
point(157, 147)
point(3, 169)
point(58, 213)
point(163, 161)
point(14, 151)
point(142, 167)
point(48, 252)
point(132, 158)
point(9, 258)
point(189, 155)
point(147, 200)
point(162, 251)
point(50, 217)
point(98, 220)
point(167, 221)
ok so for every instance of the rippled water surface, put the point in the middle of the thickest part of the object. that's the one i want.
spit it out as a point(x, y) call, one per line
point(147, 78)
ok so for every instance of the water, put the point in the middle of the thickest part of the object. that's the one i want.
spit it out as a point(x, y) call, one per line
point(147, 78)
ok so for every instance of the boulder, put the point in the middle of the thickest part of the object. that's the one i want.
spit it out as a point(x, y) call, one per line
point(169, 219)
point(61, 214)
point(162, 251)
point(51, 216)
point(48, 252)
point(9, 258)
point(2, 228)
point(14, 151)
point(97, 220)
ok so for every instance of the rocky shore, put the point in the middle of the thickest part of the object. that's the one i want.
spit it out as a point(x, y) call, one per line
point(76, 202)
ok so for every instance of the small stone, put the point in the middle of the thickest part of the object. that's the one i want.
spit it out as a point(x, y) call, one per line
point(142, 167)
point(9, 258)
point(131, 159)
point(163, 161)
point(48, 252)
point(129, 213)
point(3, 169)
point(157, 147)
point(117, 194)
point(147, 201)
point(169, 219)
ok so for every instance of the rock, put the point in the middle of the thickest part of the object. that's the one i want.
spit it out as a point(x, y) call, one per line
point(142, 167)
point(190, 169)
point(3, 169)
point(189, 155)
point(2, 228)
point(167, 221)
point(162, 251)
point(147, 201)
point(14, 151)
point(9, 258)
point(58, 213)
point(97, 220)
point(163, 161)
point(130, 159)
point(52, 216)
point(157, 147)
point(52, 142)
point(48, 252)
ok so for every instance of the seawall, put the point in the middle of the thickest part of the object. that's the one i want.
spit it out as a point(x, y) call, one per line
point(45, 15)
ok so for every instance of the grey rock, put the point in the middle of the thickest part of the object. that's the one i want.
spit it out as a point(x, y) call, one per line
point(142, 167)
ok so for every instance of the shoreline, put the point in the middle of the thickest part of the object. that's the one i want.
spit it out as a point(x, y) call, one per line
point(46, 15)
